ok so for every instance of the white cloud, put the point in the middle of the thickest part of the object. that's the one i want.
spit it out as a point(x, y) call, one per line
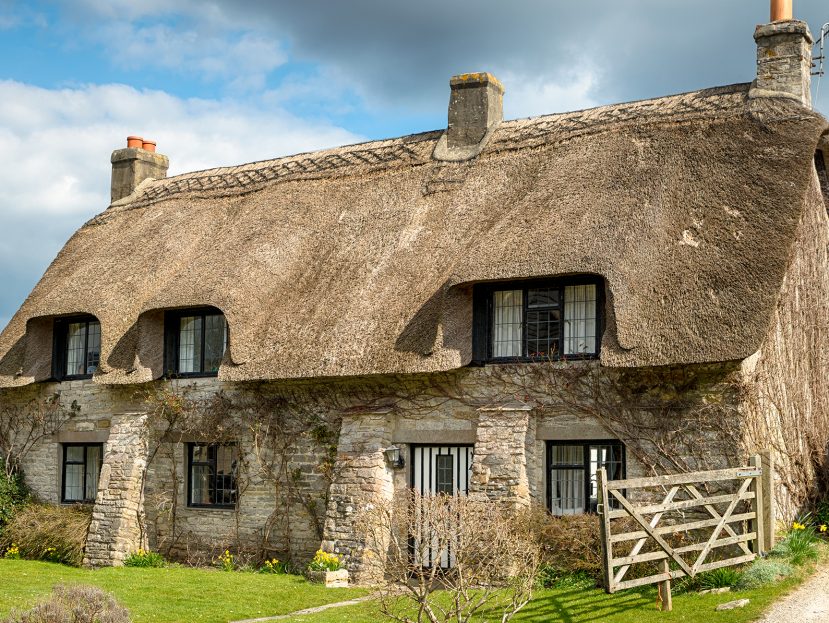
point(527, 96)
point(54, 161)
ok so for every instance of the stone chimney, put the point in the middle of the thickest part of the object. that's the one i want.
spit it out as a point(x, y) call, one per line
point(476, 107)
point(133, 165)
point(784, 56)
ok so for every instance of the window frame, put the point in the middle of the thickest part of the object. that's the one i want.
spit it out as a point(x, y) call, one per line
point(172, 339)
point(63, 464)
point(190, 447)
point(586, 445)
point(483, 309)
point(60, 350)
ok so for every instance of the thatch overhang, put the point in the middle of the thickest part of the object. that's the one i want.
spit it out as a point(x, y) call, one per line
point(360, 260)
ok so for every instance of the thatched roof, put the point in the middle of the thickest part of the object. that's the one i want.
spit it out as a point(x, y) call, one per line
point(358, 260)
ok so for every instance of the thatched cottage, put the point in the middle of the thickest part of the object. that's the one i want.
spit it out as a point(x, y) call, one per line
point(244, 354)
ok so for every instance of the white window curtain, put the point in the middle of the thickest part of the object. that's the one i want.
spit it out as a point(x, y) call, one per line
point(580, 319)
point(76, 336)
point(507, 323)
point(567, 482)
point(93, 471)
point(189, 353)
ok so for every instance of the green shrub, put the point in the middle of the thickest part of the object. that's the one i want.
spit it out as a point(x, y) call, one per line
point(74, 604)
point(13, 495)
point(764, 571)
point(724, 577)
point(550, 577)
point(49, 532)
point(144, 558)
point(799, 546)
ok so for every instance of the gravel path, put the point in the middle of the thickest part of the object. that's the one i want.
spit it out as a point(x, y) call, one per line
point(291, 615)
point(808, 604)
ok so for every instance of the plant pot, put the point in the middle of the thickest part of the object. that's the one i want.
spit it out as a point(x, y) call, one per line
point(331, 579)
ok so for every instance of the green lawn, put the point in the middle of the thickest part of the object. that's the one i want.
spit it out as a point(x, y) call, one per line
point(171, 594)
point(595, 606)
point(184, 594)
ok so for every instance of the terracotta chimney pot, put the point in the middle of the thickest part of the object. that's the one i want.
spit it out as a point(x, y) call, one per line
point(135, 142)
point(149, 145)
point(781, 10)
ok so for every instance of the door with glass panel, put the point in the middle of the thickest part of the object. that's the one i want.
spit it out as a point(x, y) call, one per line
point(439, 470)
point(571, 473)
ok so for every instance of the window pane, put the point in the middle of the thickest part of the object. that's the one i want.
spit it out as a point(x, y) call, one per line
point(189, 353)
point(93, 350)
point(200, 454)
point(74, 454)
point(609, 457)
point(542, 297)
point(444, 474)
point(200, 484)
point(567, 491)
point(73, 488)
point(226, 463)
point(542, 333)
point(93, 470)
point(507, 323)
point(75, 340)
point(580, 319)
point(215, 341)
point(568, 455)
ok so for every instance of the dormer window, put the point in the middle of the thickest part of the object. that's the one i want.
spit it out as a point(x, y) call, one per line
point(77, 351)
point(196, 340)
point(537, 320)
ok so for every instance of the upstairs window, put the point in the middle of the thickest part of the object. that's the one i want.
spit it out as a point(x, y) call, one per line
point(196, 341)
point(77, 347)
point(536, 321)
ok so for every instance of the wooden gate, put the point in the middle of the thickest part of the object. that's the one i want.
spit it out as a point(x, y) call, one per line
point(725, 529)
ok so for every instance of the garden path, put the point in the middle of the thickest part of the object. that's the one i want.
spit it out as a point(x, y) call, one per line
point(291, 615)
point(808, 604)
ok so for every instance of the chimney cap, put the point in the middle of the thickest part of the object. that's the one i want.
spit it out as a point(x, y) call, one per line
point(475, 79)
point(135, 141)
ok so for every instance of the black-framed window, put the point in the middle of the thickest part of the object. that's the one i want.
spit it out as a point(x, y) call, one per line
point(80, 473)
point(77, 347)
point(571, 473)
point(538, 320)
point(212, 471)
point(196, 340)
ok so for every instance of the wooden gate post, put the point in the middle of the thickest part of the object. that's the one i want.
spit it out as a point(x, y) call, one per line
point(767, 484)
point(758, 506)
point(666, 600)
point(604, 528)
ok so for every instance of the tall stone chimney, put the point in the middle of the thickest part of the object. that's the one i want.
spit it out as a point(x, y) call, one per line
point(134, 164)
point(476, 107)
point(784, 56)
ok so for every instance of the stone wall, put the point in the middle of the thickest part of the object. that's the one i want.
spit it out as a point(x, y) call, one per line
point(685, 415)
point(786, 384)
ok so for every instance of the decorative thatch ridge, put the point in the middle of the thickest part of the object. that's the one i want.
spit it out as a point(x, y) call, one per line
point(359, 260)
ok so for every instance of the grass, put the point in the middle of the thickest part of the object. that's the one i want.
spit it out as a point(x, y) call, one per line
point(581, 606)
point(184, 594)
point(171, 594)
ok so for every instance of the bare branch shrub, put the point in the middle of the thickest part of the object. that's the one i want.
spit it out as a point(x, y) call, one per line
point(74, 604)
point(23, 426)
point(451, 558)
point(49, 532)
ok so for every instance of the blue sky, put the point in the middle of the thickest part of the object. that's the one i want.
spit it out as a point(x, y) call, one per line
point(219, 82)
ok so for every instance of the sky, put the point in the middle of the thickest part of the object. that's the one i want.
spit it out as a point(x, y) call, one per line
point(221, 82)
